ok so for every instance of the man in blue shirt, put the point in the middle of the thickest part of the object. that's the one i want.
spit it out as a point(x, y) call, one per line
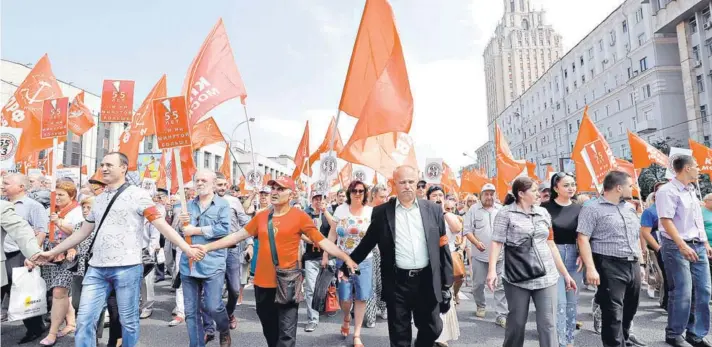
point(649, 231)
point(207, 220)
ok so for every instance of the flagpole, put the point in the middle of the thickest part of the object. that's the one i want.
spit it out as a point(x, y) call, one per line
point(249, 133)
point(81, 156)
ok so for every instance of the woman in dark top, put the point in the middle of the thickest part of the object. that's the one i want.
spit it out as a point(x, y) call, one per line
point(564, 217)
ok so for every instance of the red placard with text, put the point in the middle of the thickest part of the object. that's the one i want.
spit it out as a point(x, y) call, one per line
point(171, 119)
point(117, 101)
point(54, 118)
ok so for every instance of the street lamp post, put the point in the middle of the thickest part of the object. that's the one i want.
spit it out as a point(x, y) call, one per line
point(229, 145)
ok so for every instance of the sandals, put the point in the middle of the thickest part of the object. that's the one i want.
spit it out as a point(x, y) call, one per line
point(359, 339)
point(47, 342)
point(346, 328)
point(68, 329)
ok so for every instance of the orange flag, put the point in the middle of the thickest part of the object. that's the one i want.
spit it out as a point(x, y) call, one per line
point(225, 167)
point(549, 172)
point(627, 167)
point(266, 178)
point(24, 109)
point(80, 118)
point(448, 180)
point(644, 154)
point(377, 92)
point(142, 124)
point(206, 133)
point(302, 155)
point(472, 181)
point(375, 177)
point(531, 171)
point(345, 175)
point(213, 77)
point(508, 168)
point(703, 156)
point(187, 167)
point(27, 163)
point(161, 182)
point(324, 147)
point(588, 135)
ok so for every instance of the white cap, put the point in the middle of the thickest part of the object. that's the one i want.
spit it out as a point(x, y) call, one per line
point(488, 186)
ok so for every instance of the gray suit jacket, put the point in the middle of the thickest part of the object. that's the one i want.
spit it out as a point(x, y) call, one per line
point(12, 224)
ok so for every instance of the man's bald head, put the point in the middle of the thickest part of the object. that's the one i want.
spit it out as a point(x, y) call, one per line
point(205, 182)
point(405, 178)
point(19, 179)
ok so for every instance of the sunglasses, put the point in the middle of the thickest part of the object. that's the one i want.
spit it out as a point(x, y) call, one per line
point(358, 191)
point(421, 186)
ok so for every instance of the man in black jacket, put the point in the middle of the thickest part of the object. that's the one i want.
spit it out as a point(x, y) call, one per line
point(416, 267)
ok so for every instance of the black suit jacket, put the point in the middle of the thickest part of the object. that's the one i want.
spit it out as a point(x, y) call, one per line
point(382, 233)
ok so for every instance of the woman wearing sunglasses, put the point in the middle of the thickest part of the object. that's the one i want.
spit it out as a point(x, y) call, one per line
point(564, 219)
point(348, 227)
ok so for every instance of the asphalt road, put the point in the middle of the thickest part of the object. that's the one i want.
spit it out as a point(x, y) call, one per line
point(649, 326)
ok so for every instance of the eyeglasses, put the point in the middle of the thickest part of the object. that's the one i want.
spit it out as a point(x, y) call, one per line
point(421, 186)
point(357, 191)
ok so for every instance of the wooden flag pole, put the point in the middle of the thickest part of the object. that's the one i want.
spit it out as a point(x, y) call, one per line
point(181, 193)
point(53, 187)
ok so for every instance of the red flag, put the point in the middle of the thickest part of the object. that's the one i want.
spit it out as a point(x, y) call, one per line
point(508, 168)
point(302, 155)
point(206, 133)
point(213, 77)
point(644, 154)
point(587, 135)
point(703, 156)
point(80, 117)
point(142, 125)
point(187, 167)
point(531, 172)
point(324, 147)
point(473, 181)
point(225, 167)
point(161, 182)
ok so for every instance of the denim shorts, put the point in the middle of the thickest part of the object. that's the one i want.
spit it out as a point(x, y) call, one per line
point(357, 287)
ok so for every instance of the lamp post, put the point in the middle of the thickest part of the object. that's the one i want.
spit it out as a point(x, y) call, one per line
point(229, 145)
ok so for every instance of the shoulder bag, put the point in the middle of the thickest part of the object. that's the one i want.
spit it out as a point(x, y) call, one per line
point(522, 262)
point(73, 265)
point(289, 281)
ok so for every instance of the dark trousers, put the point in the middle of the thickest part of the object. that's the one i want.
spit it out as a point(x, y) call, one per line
point(16, 259)
point(279, 322)
point(664, 288)
point(114, 322)
point(413, 296)
point(618, 295)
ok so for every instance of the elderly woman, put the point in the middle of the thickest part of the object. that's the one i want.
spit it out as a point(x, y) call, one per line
point(58, 279)
point(375, 306)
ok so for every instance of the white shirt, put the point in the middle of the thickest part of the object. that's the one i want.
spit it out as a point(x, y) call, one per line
point(411, 246)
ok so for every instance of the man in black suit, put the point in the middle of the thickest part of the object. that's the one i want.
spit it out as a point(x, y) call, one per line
point(416, 267)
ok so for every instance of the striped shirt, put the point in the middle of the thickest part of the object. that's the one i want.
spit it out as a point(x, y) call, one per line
point(513, 226)
point(36, 216)
point(614, 229)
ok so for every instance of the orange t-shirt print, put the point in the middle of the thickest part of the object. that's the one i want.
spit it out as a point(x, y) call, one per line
point(288, 231)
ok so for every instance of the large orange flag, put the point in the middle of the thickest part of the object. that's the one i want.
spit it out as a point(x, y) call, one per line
point(587, 136)
point(213, 77)
point(627, 167)
point(531, 171)
point(644, 154)
point(143, 121)
point(206, 133)
point(703, 156)
point(161, 182)
point(301, 157)
point(549, 172)
point(377, 92)
point(473, 180)
point(324, 147)
point(24, 109)
point(225, 167)
point(449, 181)
point(80, 119)
point(508, 168)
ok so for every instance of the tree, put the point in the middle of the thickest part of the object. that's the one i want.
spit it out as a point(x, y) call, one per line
point(656, 173)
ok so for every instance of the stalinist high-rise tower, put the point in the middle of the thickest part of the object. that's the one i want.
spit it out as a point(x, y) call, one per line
point(522, 49)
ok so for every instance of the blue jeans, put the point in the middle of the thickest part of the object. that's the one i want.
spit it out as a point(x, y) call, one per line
point(233, 272)
point(684, 277)
point(567, 304)
point(210, 291)
point(98, 283)
point(357, 287)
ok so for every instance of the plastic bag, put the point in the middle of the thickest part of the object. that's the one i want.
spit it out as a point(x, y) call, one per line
point(160, 256)
point(321, 288)
point(28, 294)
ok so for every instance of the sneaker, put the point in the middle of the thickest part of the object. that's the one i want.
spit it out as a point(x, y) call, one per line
point(501, 321)
point(311, 326)
point(145, 313)
point(225, 339)
point(597, 320)
point(3, 317)
point(635, 342)
point(371, 325)
point(480, 313)
point(177, 320)
point(591, 288)
point(384, 315)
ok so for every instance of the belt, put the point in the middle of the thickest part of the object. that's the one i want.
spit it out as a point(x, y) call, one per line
point(693, 241)
point(410, 273)
point(627, 259)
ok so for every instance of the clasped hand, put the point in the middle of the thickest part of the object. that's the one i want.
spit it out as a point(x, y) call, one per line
point(198, 252)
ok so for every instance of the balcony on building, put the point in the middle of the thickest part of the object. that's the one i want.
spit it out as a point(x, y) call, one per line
point(645, 126)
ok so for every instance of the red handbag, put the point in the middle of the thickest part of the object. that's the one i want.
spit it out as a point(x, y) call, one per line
point(332, 302)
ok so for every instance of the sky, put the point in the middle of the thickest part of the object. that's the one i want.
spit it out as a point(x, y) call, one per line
point(292, 54)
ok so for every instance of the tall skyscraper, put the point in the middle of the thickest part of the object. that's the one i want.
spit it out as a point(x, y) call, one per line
point(522, 49)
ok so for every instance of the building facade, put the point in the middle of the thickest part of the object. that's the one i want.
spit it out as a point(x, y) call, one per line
point(522, 49)
point(628, 76)
point(689, 21)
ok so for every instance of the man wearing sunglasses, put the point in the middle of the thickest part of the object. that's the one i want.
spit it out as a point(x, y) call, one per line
point(421, 189)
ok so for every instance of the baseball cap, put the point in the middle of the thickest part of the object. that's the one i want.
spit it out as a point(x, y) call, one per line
point(316, 193)
point(283, 181)
point(488, 186)
point(544, 186)
point(265, 189)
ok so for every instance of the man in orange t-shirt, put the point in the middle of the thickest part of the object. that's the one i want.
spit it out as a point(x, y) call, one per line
point(279, 322)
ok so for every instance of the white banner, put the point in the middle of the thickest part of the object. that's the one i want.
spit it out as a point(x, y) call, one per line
point(433, 170)
point(9, 140)
point(72, 173)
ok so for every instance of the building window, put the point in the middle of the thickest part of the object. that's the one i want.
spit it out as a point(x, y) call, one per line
point(707, 140)
point(618, 102)
point(583, 78)
point(571, 128)
point(206, 160)
point(595, 116)
point(218, 163)
point(639, 15)
point(703, 113)
point(625, 26)
point(195, 156)
point(581, 59)
point(613, 37)
point(706, 15)
point(590, 53)
point(621, 128)
point(573, 67)
point(696, 52)
point(700, 84)
point(646, 91)
point(643, 64)
point(641, 39)
point(511, 6)
point(693, 24)
point(708, 45)
point(566, 75)
point(578, 124)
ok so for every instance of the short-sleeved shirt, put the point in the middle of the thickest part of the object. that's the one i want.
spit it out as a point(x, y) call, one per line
point(679, 203)
point(649, 219)
point(35, 215)
point(288, 230)
point(351, 229)
point(479, 221)
point(614, 229)
point(707, 217)
point(564, 220)
point(120, 240)
point(513, 226)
